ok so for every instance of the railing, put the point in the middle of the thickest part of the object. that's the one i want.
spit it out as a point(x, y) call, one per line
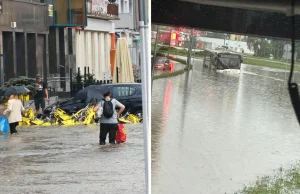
point(80, 81)
point(110, 11)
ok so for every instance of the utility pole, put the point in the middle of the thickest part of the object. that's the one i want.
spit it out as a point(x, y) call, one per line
point(190, 51)
point(145, 72)
point(170, 41)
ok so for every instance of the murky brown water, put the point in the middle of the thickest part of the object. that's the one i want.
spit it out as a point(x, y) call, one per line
point(214, 133)
point(70, 160)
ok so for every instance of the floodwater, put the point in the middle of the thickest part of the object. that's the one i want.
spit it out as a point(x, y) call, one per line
point(177, 67)
point(70, 160)
point(214, 133)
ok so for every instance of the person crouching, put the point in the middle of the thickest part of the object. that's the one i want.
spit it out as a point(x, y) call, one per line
point(109, 118)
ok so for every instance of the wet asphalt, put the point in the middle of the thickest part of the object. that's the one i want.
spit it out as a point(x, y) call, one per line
point(214, 133)
point(69, 160)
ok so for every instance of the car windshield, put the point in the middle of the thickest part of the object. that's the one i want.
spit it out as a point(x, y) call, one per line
point(230, 62)
point(160, 61)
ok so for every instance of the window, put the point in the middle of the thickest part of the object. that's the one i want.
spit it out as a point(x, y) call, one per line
point(130, 7)
point(69, 13)
point(126, 6)
point(122, 6)
point(123, 91)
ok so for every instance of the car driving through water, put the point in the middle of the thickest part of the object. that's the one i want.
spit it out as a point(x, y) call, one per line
point(222, 61)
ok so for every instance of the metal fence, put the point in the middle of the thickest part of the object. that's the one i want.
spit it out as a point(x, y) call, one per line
point(80, 80)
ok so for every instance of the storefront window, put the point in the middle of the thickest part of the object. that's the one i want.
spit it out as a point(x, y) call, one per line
point(69, 13)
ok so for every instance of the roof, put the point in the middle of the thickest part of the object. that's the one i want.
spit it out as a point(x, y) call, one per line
point(222, 52)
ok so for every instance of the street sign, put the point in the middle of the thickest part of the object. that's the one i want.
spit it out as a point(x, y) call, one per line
point(50, 10)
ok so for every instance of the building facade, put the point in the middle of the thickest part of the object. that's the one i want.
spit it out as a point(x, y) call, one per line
point(23, 38)
point(79, 46)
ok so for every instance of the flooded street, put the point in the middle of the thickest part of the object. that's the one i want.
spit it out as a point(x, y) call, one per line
point(70, 160)
point(177, 67)
point(214, 133)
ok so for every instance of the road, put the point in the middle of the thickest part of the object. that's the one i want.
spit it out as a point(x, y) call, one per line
point(214, 133)
point(69, 160)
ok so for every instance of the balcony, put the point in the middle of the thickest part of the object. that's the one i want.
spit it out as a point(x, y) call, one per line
point(102, 9)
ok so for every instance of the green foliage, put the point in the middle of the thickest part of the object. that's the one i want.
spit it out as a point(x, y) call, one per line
point(283, 181)
point(263, 47)
point(265, 63)
point(79, 79)
point(20, 81)
point(89, 78)
point(175, 73)
point(175, 51)
point(174, 59)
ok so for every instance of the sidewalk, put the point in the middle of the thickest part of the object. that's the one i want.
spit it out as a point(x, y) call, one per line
point(52, 100)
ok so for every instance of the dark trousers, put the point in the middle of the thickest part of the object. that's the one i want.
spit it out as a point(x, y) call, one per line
point(108, 128)
point(39, 102)
point(12, 127)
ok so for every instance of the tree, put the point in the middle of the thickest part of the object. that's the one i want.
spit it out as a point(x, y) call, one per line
point(253, 44)
point(262, 47)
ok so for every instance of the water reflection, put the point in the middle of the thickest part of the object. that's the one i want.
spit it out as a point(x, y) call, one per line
point(220, 131)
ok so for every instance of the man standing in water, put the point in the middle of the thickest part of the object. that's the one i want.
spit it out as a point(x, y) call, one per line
point(41, 94)
point(109, 118)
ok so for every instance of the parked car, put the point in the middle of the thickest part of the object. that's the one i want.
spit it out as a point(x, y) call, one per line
point(129, 94)
point(163, 63)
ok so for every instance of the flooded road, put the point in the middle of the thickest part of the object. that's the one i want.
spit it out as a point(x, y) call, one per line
point(214, 133)
point(177, 67)
point(70, 160)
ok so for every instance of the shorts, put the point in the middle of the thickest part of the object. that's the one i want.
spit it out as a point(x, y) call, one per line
point(39, 103)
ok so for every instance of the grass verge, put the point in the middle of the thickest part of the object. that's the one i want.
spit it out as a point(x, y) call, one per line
point(175, 73)
point(174, 59)
point(284, 181)
point(175, 51)
point(263, 63)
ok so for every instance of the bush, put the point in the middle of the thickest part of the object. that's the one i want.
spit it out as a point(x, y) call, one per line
point(20, 81)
